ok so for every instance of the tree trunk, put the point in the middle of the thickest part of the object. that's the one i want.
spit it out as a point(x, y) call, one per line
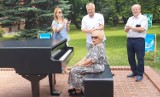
point(77, 24)
point(115, 21)
point(124, 20)
point(74, 20)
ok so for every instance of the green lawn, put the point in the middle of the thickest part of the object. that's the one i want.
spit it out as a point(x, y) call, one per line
point(115, 45)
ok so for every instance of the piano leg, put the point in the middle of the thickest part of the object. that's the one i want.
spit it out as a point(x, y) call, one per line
point(34, 79)
point(52, 82)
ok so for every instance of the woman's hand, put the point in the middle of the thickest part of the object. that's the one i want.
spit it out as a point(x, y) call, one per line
point(68, 22)
point(84, 62)
point(79, 64)
point(67, 25)
point(57, 30)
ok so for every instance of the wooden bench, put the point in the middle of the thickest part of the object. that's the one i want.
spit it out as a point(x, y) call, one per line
point(99, 84)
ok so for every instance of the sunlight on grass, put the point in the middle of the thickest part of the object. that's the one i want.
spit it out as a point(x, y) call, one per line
point(8, 36)
point(115, 44)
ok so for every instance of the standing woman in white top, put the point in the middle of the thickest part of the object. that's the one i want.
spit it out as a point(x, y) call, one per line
point(60, 26)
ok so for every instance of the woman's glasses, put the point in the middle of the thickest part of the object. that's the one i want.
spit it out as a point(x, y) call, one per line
point(94, 37)
point(60, 12)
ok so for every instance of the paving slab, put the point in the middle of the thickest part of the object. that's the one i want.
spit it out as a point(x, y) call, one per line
point(13, 85)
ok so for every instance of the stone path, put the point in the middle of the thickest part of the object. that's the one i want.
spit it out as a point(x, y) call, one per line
point(13, 85)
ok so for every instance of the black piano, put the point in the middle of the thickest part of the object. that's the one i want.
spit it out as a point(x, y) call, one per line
point(35, 59)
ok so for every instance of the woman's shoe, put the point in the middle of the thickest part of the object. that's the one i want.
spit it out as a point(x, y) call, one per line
point(74, 93)
point(71, 90)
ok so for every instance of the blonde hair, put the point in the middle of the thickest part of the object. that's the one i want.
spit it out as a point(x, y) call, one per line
point(99, 34)
point(55, 12)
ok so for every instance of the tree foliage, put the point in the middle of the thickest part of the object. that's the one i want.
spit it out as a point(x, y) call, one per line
point(78, 10)
point(39, 13)
point(151, 7)
point(36, 14)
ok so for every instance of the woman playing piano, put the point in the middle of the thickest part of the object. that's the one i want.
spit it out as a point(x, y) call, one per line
point(60, 26)
point(92, 63)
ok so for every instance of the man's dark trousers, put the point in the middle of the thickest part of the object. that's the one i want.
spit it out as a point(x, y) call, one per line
point(136, 47)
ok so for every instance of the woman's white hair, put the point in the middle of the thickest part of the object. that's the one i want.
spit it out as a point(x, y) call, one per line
point(99, 34)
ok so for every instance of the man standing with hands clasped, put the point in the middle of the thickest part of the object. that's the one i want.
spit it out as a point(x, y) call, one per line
point(136, 28)
point(91, 22)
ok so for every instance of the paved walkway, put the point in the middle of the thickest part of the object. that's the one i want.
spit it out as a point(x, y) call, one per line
point(13, 85)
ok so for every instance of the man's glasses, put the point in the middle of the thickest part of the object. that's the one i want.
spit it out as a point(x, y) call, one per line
point(94, 37)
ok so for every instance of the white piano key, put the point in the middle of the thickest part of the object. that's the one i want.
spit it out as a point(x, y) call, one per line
point(65, 55)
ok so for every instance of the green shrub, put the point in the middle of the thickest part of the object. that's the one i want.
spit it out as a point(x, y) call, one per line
point(1, 32)
point(27, 34)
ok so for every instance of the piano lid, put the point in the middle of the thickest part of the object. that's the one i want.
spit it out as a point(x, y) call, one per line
point(32, 43)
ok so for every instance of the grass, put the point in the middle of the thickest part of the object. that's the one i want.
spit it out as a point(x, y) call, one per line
point(115, 45)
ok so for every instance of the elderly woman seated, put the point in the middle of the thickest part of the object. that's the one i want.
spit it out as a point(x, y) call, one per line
point(93, 63)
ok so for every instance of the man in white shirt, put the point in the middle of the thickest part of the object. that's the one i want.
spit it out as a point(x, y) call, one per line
point(136, 28)
point(91, 22)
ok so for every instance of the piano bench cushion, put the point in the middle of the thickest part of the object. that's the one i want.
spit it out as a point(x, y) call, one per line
point(99, 84)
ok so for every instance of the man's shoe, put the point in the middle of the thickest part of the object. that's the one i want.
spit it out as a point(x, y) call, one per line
point(138, 78)
point(131, 75)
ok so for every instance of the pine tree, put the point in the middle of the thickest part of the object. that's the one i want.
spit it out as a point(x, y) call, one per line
point(66, 9)
point(36, 14)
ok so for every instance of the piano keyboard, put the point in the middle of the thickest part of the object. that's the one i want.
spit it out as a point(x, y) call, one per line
point(65, 55)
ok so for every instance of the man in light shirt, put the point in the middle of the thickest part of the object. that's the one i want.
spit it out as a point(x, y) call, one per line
point(136, 29)
point(91, 22)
